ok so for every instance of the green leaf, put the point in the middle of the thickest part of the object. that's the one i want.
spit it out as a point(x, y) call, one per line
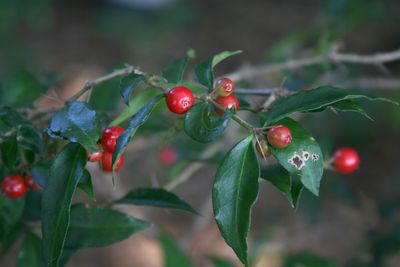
point(128, 84)
point(9, 118)
point(21, 89)
point(303, 156)
point(78, 123)
point(218, 262)
point(136, 104)
point(30, 253)
point(9, 151)
point(137, 120)
point(203, 125)
point(176, 69)
point(97, 227)
point(284, 182)
point(29, 137)
point(204, 71)
point(314, 100)
point(85, 184)
point(103, 97)
point(234, 192)
point(33, 206)
point(65, 172)
point(157, 197)
point(173, 255)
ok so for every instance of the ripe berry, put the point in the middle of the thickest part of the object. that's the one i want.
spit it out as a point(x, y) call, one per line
point(262, 148)
point(224, 87)
point(13, 186)
point(279, 136)
point(94, 156)
point(109, 137)
point(106, 162)
point(29, 182)
point(346, 160)
point(226, 102)
point(179, 99)
point(167, 156)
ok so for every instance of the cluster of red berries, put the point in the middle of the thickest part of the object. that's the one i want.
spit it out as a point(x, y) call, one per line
point(15, 186)
point(345, 160)
point(109, 138)
point(180, 98)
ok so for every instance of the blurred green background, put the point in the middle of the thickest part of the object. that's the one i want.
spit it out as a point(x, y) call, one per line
point(355, 222)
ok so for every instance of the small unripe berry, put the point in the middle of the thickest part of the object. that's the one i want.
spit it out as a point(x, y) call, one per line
point(109, 137)
point(29, 182)
point(106, 162)
point(226, 102)
point(224, 87)
point(346, 160)
point(13, 186)
point(279, 136)
point(262, 148)
point(179, 99)
point(167, 156)
point(94, 156)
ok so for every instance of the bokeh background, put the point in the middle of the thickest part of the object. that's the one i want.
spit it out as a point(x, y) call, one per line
point(356, 220)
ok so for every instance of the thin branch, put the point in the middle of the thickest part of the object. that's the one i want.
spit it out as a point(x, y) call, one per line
point(334, 56)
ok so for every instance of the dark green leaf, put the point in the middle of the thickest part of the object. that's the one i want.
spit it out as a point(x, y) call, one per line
point(104, 96)
point(204, 71)
point(157, 197)
point(176, 69)
point(303, 156)
point(85, 184)
point(9, 119)
point(30, 138)
point(33, 206)
point(203, 125)
point(284, 182)
point(40, 171)
point(97, 227)
point(21, 89)
point(128, 84)
point(137, 120)
point(313, 100)
point(234, 192)
point(30, 253)
point(65, 172)
point(9, 151)
point(77, 123)
point(173, 255)
point(218, 262)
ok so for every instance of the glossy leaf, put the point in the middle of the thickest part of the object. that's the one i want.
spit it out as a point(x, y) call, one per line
point(234, 192)
point(128, 84)
point(29, 137)
point(9, 151)
point(174, 256)
point(303, 156)
point(136, 121)
point(313, 100)
point(203, 125)
point(104, 97)
point(65, 172)
point(78, 123)
point(85, 184)
point(204, 71)
point(21, 89)
point(97, 227)
point(284, 182)
point(9, 119)
point(30, 253)
point(157, 197)
point(176, 69)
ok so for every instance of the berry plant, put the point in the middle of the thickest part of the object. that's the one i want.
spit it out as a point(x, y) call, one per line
point(45, 151)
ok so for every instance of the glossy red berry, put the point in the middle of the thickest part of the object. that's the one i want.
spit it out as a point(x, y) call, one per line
point(224, 87)
point(226, 102)
point(167, 156)
point(262, 148)
point(13, 186)
point(179, 99)
point(346, 160)
point(106, 162)
point(29, 182)
point(94, 156)
point(109, 137)
point(279, 136)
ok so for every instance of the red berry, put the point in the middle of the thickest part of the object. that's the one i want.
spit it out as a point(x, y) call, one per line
point(94, 156)
point(13, 186)
point(346, 160)
point(262, 148)
point(109, 137)
point(167, 156)
point(279, 136)
point(106, 162)
point(224, 87)
point(179, 99)
point(226, 102)
point(29, 182)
